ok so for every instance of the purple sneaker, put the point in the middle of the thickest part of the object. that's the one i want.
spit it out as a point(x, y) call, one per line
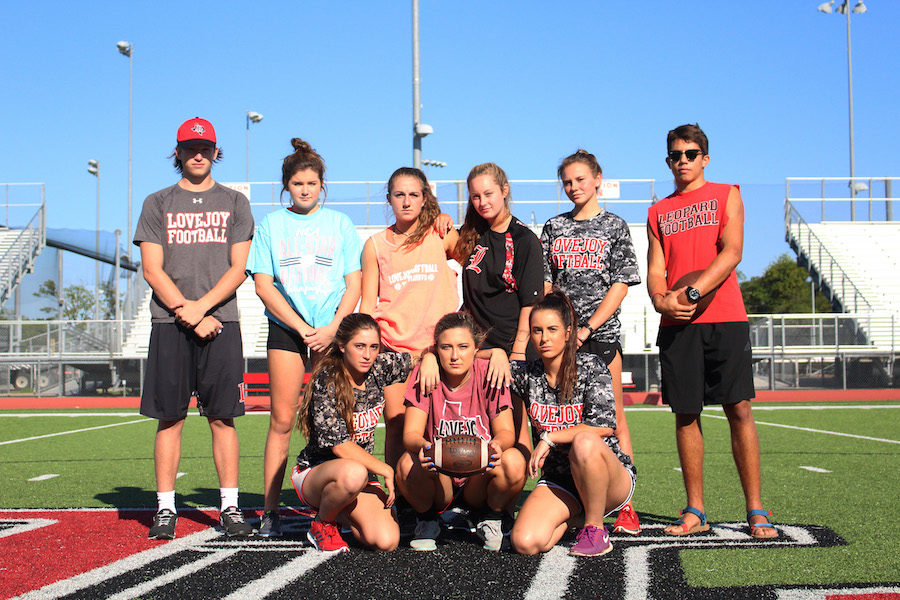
point(591, 541)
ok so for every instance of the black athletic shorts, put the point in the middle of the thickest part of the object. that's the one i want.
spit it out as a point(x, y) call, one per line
point(605, 350)
point(181, 365)
point(705, 363)
point(566, 483)
point(281, 338)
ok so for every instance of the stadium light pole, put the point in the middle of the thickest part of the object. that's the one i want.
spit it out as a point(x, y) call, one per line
point(844, 9)
point(127, 49)
point(94, 169)
point(252, 117)
point(420, 129)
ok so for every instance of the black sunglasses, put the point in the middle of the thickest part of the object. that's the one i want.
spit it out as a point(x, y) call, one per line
point(675, 155)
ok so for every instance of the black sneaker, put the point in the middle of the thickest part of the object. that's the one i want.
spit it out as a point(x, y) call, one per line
point(232, 521)
point(270, 524)
point(163, 525)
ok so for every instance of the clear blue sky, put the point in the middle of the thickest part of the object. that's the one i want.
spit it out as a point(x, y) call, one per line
point(519, 83)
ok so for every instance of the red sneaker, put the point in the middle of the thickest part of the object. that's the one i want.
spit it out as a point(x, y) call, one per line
point(326, 537)
point(627, 521)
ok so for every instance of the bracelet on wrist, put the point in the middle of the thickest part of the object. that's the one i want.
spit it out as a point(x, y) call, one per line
point(545, 437)
point(588, 327)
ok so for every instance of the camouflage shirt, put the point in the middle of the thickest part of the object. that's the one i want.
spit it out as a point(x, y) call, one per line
point(592, 404)
point(585, 258)
point(329, 428)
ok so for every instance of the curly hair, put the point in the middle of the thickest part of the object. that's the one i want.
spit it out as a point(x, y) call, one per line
point(332, 366)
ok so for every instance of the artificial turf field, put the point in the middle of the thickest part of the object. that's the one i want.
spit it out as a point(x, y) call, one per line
point(829, 476)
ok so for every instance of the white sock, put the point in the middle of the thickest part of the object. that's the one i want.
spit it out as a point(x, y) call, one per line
point(229, 497)
point(165, 500)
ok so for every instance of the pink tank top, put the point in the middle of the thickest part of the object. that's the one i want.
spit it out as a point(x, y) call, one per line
point(416, 287)
point(689, 227)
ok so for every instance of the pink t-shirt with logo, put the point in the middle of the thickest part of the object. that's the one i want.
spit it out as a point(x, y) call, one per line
point(468, 409)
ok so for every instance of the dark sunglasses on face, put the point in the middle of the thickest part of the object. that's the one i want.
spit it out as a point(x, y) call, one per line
point(691, 155)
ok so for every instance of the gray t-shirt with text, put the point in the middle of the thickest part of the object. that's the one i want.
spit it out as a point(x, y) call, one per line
point(196, 231)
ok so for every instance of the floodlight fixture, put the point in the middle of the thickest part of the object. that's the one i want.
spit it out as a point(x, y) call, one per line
point(252, 117)
point(844, 9)
point(124, 48)
point(434, 163)
point(423, 130)
point(858, 186)
point(94, 168)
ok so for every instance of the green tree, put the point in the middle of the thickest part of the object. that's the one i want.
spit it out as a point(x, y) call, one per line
point(784, 287)
point(78, 301)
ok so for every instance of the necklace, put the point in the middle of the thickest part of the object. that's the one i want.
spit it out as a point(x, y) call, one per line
point(394, 229)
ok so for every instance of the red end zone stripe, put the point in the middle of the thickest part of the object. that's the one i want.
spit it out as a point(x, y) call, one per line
point(863, 597)
point(77, 542)
point(262, 402)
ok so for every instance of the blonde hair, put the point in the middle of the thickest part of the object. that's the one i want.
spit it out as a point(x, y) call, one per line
point(474, 224)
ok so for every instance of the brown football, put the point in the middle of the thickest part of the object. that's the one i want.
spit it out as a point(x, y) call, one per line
point(459, 455)
point(690, 279)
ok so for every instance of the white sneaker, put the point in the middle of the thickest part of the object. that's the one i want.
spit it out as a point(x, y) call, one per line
point(426, 535)
point(490, 530)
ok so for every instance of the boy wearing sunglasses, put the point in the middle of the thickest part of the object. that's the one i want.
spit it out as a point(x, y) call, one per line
point(704, 355)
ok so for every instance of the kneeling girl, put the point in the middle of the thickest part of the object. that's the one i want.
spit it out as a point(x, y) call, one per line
point(463, 402)
point(336, 471)
point(569, 398)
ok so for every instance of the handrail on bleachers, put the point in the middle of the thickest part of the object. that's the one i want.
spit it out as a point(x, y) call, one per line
point(791, 216)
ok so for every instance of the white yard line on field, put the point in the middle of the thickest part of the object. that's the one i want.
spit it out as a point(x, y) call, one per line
point(280, 577)
point(49, 435)
point(811, 430)
point(552, 578)
point(815, 469)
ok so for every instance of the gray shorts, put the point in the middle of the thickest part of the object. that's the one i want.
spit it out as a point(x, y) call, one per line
point(181, 365)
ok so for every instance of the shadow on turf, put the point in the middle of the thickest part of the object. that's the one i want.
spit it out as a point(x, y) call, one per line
point(125, 497)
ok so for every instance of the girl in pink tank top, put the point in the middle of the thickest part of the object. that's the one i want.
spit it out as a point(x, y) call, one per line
point(407, 284)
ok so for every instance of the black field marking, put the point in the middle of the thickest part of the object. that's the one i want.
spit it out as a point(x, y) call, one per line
point(209, 565)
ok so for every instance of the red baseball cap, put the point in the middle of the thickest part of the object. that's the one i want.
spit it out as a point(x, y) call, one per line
point(196, 130)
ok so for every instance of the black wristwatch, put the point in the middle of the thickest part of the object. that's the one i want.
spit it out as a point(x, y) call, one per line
point(693, 295)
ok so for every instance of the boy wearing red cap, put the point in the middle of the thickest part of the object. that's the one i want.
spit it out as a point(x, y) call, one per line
point(194, 238)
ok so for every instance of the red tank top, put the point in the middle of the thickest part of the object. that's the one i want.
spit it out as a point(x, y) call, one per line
point(689, 227)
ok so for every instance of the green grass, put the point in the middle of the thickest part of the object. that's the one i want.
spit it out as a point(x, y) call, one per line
point(114, 467)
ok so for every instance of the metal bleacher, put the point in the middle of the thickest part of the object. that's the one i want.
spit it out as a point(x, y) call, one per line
point(638, 332)
point(18, 249)
point(855, 264)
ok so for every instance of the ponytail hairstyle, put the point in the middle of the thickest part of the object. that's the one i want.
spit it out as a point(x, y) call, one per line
point(304, 157)
point(430, 209)
point(580, 156)
point(332, 367)
point(459, 320)
point(568, 370)
point(474, 224)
